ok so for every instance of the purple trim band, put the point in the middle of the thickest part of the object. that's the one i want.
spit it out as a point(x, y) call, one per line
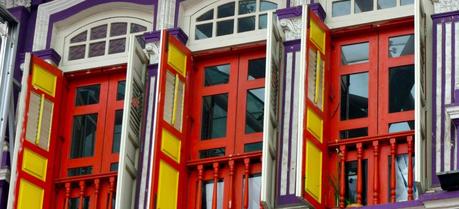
point(179, 34)
point(292, 46)
point(156, 35)
point(289, 12)
point(444, 15)
point(152, 36)
point(48, 54)
point(404, 204)
point(319, 10)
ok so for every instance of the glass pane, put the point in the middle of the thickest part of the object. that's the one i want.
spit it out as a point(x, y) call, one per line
point(353, 133)
point(118, 29)
point(135, 28)
point(363, 6)
point(267, 5)
point(401, 45)
point(406, 2)
point(257, 69)
point(255, 110)
point(80, 37)
point(401, 89)
point(341, 8)
point(99, 32)
point(225, 27)
point(247, 6)
point(117, 131)
point(351, 181)
point(84, 135)
point(74, 203)
point(226, 10)
point(383, 4)
point(254, 191)
point(216, 75)
point(120, 90)
point(97, 49)
point(117, 46)
point(207, 194)
point(203, 31)
point(214, 115)
point(354, 96)
point(401, 126)
point(401, 177)
point(212, 153)
point(87, 95)
point(246, 24)
point(114, 167)
point(79, 171)
point(354, 53)
point(77, 52)
point(262, 21)
point(253, 147)
point(206, 16)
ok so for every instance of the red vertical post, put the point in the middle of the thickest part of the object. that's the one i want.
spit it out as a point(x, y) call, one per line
point(392, 170)
point(230, 183)
point(246, 183)
point(96, 192)
point(342, 182)
point(110, 192)
point(376, 172)
point(410, 167)
point(67, 195)
point(215, 193)
point(199, 193)
point(82, 184)
point(359, 173)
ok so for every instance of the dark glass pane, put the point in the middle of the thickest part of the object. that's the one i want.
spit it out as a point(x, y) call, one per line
point(354, 96)
point(257, 69)
point(254, 110)
point(114, 167)
point(246, 24)
point(99, 32)
point(341, 8)
point(353, 133)
point(354, 53)
point(401, 89)
point(97, 49)
point(383, 4)
point(214, 116)
point(363, 6)
point(206, 16)
point(77, 52)
point(79, 171)
point(203, 31)
point(401, 45)
point(216, 75)
point(207, 194)
point(117, 46)
point(351, 181)
point(253, 147)
point(117, 131)
point(118, 29)
point(80, 37)
point(226, 10)
point(267, 5)
point(217, 152)
point(135, 28)
point(401, 126)
point(84, 135)
point(247, 6)
point(225, 27)
point(121, 90)
point(74, 203)
point(406, 2)
point(87, 95)
point(262, 21)
point(401, 177)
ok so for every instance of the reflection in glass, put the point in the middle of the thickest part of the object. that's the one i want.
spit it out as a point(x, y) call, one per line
point(84, 135)
point(203, 31)
point(341, 8)
point(247, 6)
point(118, 29)
point(99, 32)
point(120, 90)
point(354, 53)
point(401, 89)
point(257, 69)
point(363, 6)
point(226, 10)
point(406, 2)
point(216, 75)
point(74, 203)
point(206, 16)
point(401, 126)
point(87, 95)
point(114, 166)
point(267, 5)
point(77, 52)
point(351, 181)
point(353, 133)
point(251, 147)
point(246, 24)
point(383, 4)
point(262, 21)
point(117, 131)
point(80, 37)
point(255, 110)
point(354, 96)
point(225, 27)
point(117, 46)
point(214, 116)
point(135, 28)
point(401, 177)
point(79, 171)
point(207, 194)
point(254, 191)
point(401, 45)
point(97, 49)
point(217, 152)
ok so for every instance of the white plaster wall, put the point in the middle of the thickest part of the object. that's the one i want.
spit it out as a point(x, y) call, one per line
point(442, 6)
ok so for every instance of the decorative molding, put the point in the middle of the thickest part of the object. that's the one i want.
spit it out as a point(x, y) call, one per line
point(299, 2)
point(446, 6)
point(15, 3)
point(291, 28)
point(166, 14)
point(152, 50)
point(50, 55)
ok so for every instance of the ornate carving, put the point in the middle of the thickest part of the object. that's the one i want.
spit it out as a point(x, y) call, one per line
point(3, 29)
point(152, 50)
point(291, 28)
point(446, 6)
point(15, 3)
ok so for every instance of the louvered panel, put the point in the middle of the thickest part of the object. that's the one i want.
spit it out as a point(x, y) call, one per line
point(46, 122)
point(320, 83)
point(33, 117)
point(179, 105)
point(312, 73)
point(169, 97)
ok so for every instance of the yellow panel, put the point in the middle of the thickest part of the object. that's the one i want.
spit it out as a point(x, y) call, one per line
point(34, 164)
point(44, 80)
point(176, 59)
point(170, 145)
point(315, 124)
point(313, 172)
point(168, 186)
point(317, 35)
point(30, 196)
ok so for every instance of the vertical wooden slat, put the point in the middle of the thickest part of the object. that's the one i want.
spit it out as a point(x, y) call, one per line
point(342, 182)
point(410, 167)
point(359, 173)
point(82, 184)
point(376, 172)
point(246, 183)
point(215, 193)
point(96, 192)
point(392, 170)
point(230, 183)
point(110, 192)
point(67, 195)
point(199, 193)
